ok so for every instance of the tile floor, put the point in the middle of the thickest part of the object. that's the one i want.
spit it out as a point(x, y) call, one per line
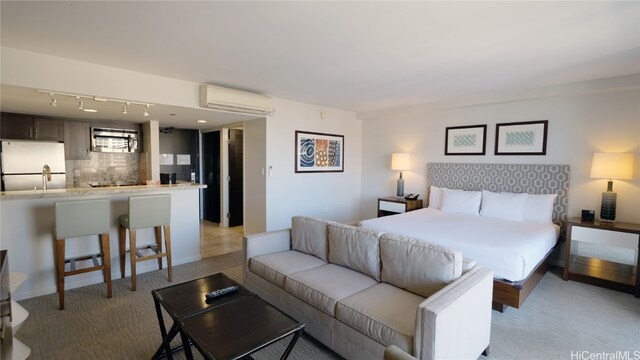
point(215, 240)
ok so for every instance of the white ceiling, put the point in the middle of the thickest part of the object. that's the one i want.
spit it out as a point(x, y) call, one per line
point(358, 56)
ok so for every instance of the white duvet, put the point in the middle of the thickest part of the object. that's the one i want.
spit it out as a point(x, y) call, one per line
point(510, 249)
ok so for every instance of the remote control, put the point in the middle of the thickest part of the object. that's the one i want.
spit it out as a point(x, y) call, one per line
point(216, 293)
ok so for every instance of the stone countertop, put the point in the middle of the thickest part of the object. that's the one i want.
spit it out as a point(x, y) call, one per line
point(59, 193)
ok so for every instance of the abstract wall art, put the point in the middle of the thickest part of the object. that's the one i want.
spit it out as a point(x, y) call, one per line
point(317, 152)
point(522, 138)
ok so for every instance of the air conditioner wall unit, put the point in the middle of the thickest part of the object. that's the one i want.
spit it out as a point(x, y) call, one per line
point(220, 98)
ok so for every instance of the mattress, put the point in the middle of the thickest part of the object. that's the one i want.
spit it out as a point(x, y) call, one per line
point(510, 249)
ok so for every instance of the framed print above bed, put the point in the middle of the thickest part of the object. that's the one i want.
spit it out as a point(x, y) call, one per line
point(465, 140)
point(317, 152)
point(522, 138)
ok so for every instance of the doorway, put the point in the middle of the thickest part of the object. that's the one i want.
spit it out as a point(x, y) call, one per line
point(211, 170)
point(236, 185)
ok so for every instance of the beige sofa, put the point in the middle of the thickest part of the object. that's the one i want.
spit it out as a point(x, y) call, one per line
point(359, 291)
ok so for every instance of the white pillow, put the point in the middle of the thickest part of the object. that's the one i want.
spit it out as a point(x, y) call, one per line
point(506, 206)
point(435, 197)
point(539, 207)
point(460, 201)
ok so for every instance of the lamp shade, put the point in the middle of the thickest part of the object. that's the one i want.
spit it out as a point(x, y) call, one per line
point(401, 161)
point(618, 166)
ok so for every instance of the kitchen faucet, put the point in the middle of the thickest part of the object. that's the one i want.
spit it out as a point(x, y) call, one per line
point(46, 176)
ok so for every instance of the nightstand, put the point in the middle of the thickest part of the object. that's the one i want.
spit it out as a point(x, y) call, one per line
point(397, 205)
point(612, 275)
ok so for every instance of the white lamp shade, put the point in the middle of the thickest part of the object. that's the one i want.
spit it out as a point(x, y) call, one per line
point(618, 166)
point(400, 161)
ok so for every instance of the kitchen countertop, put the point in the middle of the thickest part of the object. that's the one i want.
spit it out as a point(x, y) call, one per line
point(55, 193)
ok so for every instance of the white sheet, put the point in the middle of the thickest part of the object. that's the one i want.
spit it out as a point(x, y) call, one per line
point(510, 249)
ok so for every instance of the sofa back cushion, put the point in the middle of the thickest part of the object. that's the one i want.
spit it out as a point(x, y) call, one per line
point(418, 266)
point(309, 235)
point(355, 248)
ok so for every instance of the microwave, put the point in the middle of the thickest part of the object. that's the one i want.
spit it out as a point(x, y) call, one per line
point(115, 140)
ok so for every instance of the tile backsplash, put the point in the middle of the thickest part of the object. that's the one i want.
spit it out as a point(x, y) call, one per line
point(106, 168)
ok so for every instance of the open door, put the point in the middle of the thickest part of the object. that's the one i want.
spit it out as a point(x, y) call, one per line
point(236, 187)
point(211, 169)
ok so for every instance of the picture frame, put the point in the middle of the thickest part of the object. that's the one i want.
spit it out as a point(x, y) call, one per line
point(465, 140)
point(522, 138)
point(318, 152)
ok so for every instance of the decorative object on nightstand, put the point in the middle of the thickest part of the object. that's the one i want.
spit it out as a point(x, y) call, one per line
point(401, 162)
point(395, 205)
point(611, 166)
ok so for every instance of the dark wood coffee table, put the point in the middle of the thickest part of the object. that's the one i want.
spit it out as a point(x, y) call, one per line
point(229, 327)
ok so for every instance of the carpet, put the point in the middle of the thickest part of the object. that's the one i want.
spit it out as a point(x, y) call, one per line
point(558, 318)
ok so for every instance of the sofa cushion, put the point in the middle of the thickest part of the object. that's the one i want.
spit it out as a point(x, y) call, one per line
point(384, 313)
point(276, 266)
point(323, 286)
point(418, 266)
point(309, 235)
point(356, 248)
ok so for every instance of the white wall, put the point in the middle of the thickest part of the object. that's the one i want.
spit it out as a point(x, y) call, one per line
point(334, 196)
point(255, 170)
point(597, 116)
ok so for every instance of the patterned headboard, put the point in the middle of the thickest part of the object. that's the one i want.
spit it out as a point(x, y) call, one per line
point(516, 178)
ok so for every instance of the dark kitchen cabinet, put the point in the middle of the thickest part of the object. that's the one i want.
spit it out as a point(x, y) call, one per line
point(77, 145)
point(27, 127)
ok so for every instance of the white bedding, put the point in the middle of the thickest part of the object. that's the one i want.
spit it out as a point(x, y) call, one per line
point(510, 249)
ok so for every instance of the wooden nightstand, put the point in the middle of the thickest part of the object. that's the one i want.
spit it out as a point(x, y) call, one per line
point(395, 205)
point(612, 275)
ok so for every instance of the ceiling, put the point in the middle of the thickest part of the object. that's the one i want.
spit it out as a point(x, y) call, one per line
point(357, 56)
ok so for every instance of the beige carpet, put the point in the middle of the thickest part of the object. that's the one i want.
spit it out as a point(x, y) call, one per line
point(558, 318)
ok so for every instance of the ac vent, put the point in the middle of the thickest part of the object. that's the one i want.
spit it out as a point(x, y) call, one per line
point(220, 98)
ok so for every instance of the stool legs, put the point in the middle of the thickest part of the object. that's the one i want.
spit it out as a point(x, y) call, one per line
point(122, 245)
point(106, 261)
point(167, 244)
point(60, 271)
point(132, 255)
point(158, 231)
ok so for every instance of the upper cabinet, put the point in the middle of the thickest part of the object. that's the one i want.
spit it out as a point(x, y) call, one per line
point(77, 145)
point(28, 127)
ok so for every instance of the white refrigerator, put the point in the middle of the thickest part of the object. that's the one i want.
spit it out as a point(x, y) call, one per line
point(23, 161)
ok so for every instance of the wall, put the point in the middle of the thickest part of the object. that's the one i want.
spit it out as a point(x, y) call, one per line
point(181, 142)
point(334, 196)
point(105, 168)
point(595, 116)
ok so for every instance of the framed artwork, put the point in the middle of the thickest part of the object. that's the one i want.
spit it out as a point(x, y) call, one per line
point(317, 152)
point(465, 140)
point(522, 138)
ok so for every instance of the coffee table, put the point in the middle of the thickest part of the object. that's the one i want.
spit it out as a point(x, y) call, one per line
point(229, 327)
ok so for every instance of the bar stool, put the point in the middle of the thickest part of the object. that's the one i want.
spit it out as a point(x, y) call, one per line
point(81, 218)
point(144, 212)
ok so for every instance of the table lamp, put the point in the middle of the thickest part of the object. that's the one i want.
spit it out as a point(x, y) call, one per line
point(611, 166)
point(401, 162)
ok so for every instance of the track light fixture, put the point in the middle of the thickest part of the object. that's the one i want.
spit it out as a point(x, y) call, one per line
point(81, 98)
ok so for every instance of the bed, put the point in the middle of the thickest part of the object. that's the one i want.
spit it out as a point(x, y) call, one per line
point(516, 251)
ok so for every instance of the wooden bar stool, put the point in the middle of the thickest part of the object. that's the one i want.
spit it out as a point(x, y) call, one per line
point(144, 212)
point(82, 218)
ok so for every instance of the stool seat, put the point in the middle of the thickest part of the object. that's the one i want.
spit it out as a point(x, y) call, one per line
point(144, 212)
point(80, 218)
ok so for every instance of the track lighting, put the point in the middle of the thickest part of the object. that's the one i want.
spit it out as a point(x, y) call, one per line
point(81, 98)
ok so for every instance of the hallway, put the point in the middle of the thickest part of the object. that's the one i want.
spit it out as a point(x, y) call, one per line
point(215, 240)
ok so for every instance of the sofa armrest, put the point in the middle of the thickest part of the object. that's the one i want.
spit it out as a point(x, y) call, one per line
point(265, 243)
point(455, 322)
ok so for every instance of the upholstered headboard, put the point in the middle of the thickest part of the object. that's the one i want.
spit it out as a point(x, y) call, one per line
point(516, 178)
